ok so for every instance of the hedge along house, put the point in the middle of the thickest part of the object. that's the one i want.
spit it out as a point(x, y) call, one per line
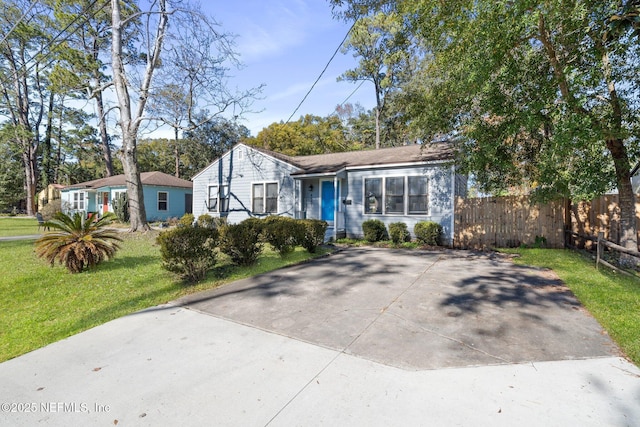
point(402, 184)
point(165, 196)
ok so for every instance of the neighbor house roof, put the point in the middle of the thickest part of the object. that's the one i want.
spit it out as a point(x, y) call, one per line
point(156, 178)
point(333, 162)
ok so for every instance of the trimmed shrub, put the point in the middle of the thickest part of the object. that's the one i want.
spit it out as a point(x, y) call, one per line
point(281, 233)
point(428, 233)
point(188, 251)
point(374, 230)
point(186, 220)
point(399, 232)
point(242, 242)
point(312, 234)
point(208, 221)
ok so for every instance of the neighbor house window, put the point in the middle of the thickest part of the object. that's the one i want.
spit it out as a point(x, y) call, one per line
point(418, 197)
point(394, 195)
point(78, 200)
point(163, 200)
point(265, 198)
point(219, 198)
point(373, 195)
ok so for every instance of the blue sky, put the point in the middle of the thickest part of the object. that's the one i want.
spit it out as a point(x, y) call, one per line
point(285, 44)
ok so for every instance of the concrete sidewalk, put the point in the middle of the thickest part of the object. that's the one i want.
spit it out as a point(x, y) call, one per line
point(364, 337)
point(174, 366)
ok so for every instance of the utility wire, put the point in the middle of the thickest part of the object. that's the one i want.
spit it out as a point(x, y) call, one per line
point(350, 95)
point(25, 70)
point(322, 73)
point(24, 15)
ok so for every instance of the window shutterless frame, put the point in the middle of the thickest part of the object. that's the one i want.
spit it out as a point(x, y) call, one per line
point(264, 197)
point(163, 201)
point(396, 195)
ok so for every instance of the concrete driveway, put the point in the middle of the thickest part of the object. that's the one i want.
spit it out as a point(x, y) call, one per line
point(362, 337)
point(417, 310)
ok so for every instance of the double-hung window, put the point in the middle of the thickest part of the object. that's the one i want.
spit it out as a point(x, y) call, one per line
point(219, 198)
point(394, 195)
point(418, 195)
point(265, 198)
point(163, 200)
point(373, 195)
point(78, 200)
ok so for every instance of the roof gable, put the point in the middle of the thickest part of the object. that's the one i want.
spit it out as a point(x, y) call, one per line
point(277, 157)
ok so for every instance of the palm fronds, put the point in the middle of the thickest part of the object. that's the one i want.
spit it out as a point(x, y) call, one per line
point(78, 243)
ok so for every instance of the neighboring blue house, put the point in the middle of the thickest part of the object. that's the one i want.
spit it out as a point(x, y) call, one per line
point(403, 184)
point(165, 196)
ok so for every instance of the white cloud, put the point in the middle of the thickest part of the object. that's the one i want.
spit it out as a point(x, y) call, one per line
point(272, 28)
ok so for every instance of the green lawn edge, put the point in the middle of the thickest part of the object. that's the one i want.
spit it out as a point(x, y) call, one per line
point(44, 304)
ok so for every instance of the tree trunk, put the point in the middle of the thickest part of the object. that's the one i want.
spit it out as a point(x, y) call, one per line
point(47, 169)
point(137, 212)
point(104, 136)
point(176, 152)
point(130, 123)
point(628, 226)
point(377, 128)
point(135, 193)
point(30, 159)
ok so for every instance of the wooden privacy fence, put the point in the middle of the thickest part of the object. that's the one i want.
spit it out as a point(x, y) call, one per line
point(514, 220)
point(507, 222)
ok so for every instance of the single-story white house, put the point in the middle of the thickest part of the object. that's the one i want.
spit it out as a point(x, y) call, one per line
point(402, 184)
point(165, 196)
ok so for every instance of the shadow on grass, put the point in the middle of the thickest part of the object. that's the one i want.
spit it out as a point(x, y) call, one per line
point(126, 262)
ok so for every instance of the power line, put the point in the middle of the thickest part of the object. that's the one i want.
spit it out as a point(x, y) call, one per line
point(350, 95)
point(24, 15)
point(26, 69)
point(322, 73)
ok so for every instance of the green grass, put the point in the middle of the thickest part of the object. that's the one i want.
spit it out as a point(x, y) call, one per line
point(613, 299)
point(43, 304)
point(18, 226)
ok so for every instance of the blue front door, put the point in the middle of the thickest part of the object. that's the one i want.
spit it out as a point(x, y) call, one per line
point(327, 201)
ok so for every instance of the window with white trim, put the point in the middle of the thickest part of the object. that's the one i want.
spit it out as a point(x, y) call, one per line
point(163, 200)
point(265, 197)
point(402, 195)
point(78, 200)
point(394, 195)
point(418, 195)
point(373, 195)
point(219, 198)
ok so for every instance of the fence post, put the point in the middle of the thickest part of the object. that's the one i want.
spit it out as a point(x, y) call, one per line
point(600, 248)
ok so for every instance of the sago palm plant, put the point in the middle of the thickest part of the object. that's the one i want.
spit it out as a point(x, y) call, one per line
point(78, 243)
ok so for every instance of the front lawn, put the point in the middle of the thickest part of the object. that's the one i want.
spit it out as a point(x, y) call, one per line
point(42, 304)
point(613, 299)
point(18, 226)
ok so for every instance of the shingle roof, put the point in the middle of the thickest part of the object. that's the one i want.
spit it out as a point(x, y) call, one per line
point(333, 162)
point(415, 153)
point(156, 178)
